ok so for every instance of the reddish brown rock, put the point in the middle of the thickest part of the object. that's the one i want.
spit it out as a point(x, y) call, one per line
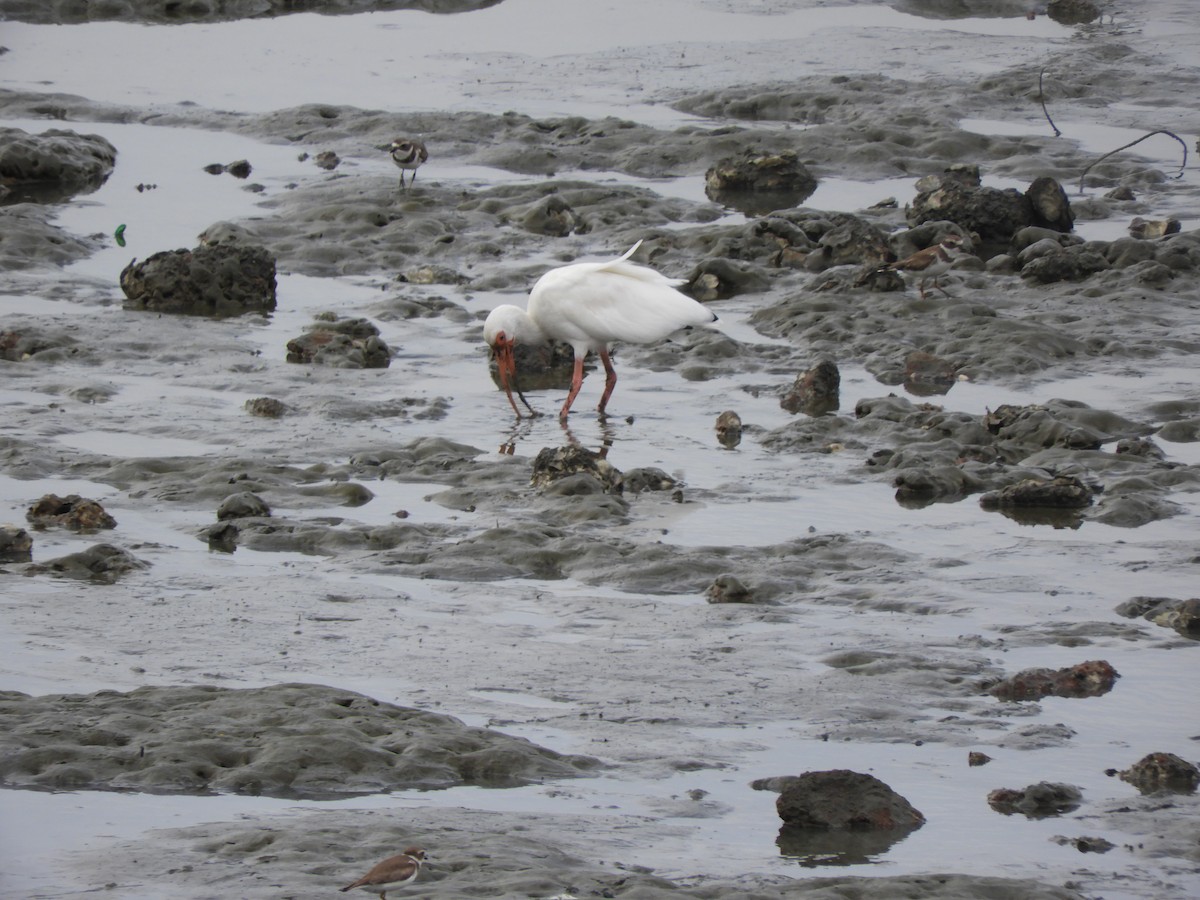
point(842, 799)
point(72, 511)
point(1163, 773)
point(1038, 801)
point(1088, 679)
point(815, 392)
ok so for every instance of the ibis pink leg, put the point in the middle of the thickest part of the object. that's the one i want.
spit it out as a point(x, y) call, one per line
point(576, 384)
point(610, 378)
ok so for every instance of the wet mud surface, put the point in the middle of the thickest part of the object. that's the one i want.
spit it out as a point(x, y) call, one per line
point(626, 654)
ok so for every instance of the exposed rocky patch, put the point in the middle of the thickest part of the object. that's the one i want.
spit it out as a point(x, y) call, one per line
point(73, 512)
point(207, 281)
point(1038, 801)
point(287, 740)
point(1088, 679)
point(51, 166)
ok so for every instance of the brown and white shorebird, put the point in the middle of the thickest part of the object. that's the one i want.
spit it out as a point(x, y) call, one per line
point(932, 262)
point(408, 154)
point(391, 874)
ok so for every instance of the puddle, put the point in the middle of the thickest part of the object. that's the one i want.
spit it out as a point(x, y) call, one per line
point(183, 199)
point(136, 446)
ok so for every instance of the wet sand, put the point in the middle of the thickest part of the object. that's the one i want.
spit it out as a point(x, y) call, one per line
point(580, 621)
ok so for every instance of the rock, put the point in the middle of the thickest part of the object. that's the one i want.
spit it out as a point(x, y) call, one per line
point(792, 242)
point(1184, 618)
point(327, 160)
point(1067, 264)
point(239, 169)
point(289, 740)
point(1072, 12)
point(266, 407)
point(718, 279)
point(552, 217)
point(1158, 773)
point(926, 375)
point(1086, 844)
point(1061, 492)
point(72, 512)
point(1087, 679)
point(729, 589)
point(994, 215)
point(847, 240)
point(757, 183)
point(433, 275)
point(842, 799)
point(815, 392)
point(1125, 252)
point(15, 544)
point(29, 241)
point(1033, 234)
point(101, 563)
point(1149, 229)
point(1143, 448)
point(18, 346)
point(729, 429)
point(345, 343)
point(647, 478)
point(221, 537)
point(243, 505)
point(976, 758)
point(553, 464)
point(1044, 426)
point(220, 233)
point(1038, 801)
point(224, 280)
point(1050, 206)
point(54, 165)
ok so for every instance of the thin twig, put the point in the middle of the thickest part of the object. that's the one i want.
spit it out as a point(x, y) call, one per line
point(1182, 165)
point(1042, 99)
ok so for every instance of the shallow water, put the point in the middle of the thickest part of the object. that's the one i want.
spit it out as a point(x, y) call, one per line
point(419, 61)
point(1007, 574)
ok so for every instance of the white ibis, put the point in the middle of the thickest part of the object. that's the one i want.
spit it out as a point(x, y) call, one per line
point(391, 874)
point(590, 306)
point(408, 154)
point(932, 262)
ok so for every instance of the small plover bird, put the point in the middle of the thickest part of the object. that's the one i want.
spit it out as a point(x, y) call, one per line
point(932, 262)
point(408, 154)
point(391, 874)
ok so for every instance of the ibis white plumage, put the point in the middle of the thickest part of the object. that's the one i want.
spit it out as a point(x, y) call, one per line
point(591, 306)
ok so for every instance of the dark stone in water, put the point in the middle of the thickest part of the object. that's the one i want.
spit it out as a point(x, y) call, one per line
point(72, 512)
point(215, 281)
point(100, 563)
point(1062, 492)
point(1163, 773)
point(1038, 801)
point(1087, 679)
point(347, 343)
point(556, 463)
point(52, 166)
point(842, 799)
point(815, 392)
point(757, 184)
point(15, 544)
